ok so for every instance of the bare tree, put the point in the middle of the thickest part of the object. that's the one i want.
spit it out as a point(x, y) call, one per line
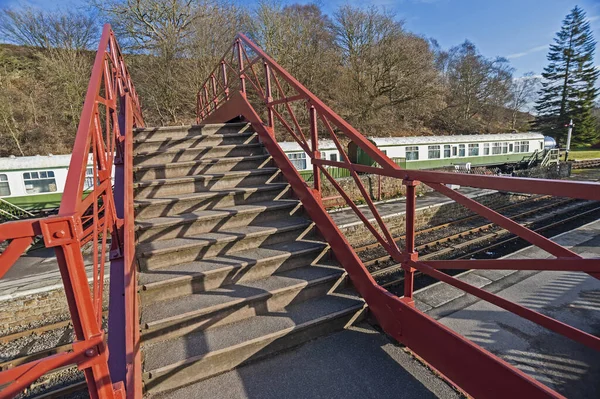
point(523, 92)
point(389, 74)
point(70, 29)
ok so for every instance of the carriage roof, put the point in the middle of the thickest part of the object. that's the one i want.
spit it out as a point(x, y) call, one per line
point(455, 139)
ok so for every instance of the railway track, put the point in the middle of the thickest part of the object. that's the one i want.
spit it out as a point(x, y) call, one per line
point(473, 238)
point(484, 246)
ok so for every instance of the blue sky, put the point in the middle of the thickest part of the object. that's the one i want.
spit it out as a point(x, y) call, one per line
point(517, 29)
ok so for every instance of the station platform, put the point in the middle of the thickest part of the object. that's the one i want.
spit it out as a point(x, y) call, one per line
point(570, 368)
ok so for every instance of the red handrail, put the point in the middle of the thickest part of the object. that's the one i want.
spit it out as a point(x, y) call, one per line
point(89, 215)
point(235, 89)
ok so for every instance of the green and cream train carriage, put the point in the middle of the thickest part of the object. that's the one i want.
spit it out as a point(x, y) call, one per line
point(36, 183)
point(431, 152)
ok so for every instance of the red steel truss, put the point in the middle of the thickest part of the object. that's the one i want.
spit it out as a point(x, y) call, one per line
point(95, 221)
point(248, 84)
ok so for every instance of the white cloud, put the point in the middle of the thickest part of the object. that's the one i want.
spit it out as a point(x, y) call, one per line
point(527, 52)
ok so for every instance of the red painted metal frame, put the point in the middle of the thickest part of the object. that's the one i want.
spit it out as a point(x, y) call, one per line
point(475, 370)
point(87, 217)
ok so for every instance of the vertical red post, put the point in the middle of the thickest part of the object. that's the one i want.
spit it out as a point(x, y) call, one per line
point(409, 252)
point(268, 95)
point(214, 90)
point(314, 140)
point(224, 73)
point(240, 57)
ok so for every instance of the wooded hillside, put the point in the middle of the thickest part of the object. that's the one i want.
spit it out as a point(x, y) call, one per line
point(362, 62)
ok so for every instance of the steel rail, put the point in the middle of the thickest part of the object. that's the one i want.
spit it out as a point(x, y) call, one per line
point(550, 264)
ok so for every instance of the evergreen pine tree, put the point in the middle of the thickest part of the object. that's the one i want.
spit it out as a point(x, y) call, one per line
point(568, 89)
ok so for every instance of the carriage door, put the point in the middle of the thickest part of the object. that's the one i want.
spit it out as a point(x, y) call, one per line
point(454, 150)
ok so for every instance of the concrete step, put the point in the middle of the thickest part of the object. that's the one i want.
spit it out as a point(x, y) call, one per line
point(207, 182)
point(186, 203)
point(167, 227)
point(210, 309)
point(149, 144)
point(195, 154)
point(178, 132)
point(180, 361)
point(203, 166)
point(190, 278)
point(156, 254)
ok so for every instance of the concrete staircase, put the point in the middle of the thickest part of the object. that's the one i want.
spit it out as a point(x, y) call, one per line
point(231, 269)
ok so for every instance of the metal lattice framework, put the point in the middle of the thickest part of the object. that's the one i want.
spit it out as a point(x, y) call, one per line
point(92, 225)
point(247, 83)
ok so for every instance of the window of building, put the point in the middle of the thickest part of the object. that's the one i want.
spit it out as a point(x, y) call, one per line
point(496, 148)
point(4, 187)
point(333, 157)
point(434, 151)
point(446, 151)
point(298, 160)
point(486, 148)
point(473, 150)
point(505, 148)
point(461, 150)
point(39, 182)
point(412, 153)
point(524, 146)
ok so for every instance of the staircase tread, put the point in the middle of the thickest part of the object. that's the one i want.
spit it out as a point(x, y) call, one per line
point(209, 301)
point(199, 148)
point(226, 211)
point(199, 344)
point(201, 161)
point(179, 127)
point(208, 194)
point(227, 261)
point(226, 235)
point(191, 137)
point(206, 176)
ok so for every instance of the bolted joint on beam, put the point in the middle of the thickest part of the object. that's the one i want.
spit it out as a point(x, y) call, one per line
point(408, 258)
point(91, 355)
point(410, 183)
point(61, 230)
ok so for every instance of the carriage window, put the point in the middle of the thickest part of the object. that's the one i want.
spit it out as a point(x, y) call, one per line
point(461, 150)
point(517, 146)
point(510, 147)
point(333, 157)
point(4, 187)
point(298, 160)
point(486, 148)
point(434, 151)
point(473, 150)
point(504, 148)
point(496, 148)
point(39, 182)
point(446, 151)
point(412, 153)
point(524, 146)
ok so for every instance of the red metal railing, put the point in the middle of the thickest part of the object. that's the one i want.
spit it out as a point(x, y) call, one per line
point(91, 219)
point(247, 83)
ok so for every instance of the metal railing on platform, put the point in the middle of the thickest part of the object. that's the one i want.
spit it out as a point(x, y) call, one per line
point(98, 216)
point(250, 85)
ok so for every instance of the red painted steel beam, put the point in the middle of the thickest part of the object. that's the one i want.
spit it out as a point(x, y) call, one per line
point(478, 372)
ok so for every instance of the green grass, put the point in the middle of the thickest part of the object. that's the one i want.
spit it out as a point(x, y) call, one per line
point(584, 154)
